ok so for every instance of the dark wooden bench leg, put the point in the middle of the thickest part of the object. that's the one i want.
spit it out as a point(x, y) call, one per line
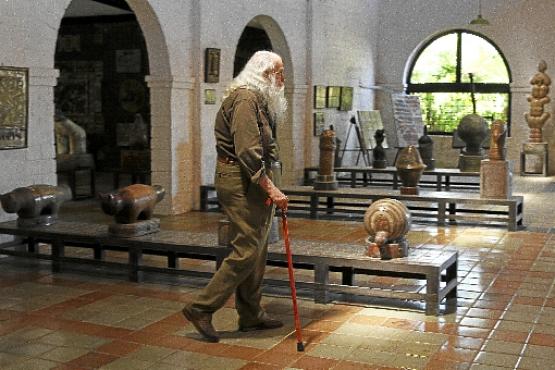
point(452, 212)
point(314, 206)
point(438, 182)
point(441, 209)
point(99, 252)
point(353, 179)
point(512, 223)
point(329, 205)
point(32, 245)
point(172, 260)
point(432, 293)
point(58, 252)
point(347, 275)
point(448, 182)
point(321, 278)
point(451, 275)
point(135, 260)
point(395, 181)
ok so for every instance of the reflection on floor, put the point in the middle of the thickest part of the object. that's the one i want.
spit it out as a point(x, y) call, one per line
point(87, 317)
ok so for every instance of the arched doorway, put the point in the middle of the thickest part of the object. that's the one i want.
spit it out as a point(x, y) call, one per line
point(102, 58)
point(263, 33)
point(161, 87)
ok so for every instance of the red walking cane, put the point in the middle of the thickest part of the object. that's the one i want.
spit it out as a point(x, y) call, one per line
point(300, 345)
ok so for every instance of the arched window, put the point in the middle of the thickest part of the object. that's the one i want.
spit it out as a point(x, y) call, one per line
point(449, 70)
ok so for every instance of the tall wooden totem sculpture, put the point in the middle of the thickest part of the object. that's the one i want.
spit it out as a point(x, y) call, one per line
point(495, 172)
point(534, 154)
point(326, 176)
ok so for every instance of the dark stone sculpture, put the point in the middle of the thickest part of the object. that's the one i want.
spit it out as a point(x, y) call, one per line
point(426, 149)
point(472, 130)
point(35, 204)
point(387, 221)
point(132, 208)
point(409, 168)
point(378, 153)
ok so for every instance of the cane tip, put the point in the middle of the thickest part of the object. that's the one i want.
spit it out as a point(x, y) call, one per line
point(300, 347)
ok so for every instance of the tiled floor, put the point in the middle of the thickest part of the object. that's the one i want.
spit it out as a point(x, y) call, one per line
point(88, 317)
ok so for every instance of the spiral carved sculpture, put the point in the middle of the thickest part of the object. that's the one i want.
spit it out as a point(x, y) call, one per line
point(387, 221)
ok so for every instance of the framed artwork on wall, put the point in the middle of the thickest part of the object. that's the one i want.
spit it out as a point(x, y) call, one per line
point(346, 98)
point(319, 97)
point(319, 123)
point(333, 96)
point(212, 65)
point(14, 107)
point(210, 96)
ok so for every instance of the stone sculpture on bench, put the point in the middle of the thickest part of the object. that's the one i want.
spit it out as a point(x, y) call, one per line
point(325, 180)
point(36, 204)
point(409, 168)
point(378, 153)
point(132, 208)
point(387, 221)
point(472, 130)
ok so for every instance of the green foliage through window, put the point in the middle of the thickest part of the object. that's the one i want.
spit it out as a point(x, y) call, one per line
point(441, 77)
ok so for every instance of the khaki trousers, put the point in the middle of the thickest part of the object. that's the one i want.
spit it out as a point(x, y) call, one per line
point(243, 270)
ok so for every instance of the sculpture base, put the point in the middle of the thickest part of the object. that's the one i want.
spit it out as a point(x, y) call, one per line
point(326, 182)
point(135, 229)
point(379, 163)
point(495, 179)
point(389, 251)
point(534, 159)
point(43, 220)
point(470, 163)
point(430, 163)
point(409, 190)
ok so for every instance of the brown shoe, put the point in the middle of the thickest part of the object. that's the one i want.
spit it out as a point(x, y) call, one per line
point(202, 322)
point(266, 322)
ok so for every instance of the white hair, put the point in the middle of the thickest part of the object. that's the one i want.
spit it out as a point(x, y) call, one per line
point(255, 76)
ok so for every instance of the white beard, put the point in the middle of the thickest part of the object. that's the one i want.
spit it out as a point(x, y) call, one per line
point(275, 99)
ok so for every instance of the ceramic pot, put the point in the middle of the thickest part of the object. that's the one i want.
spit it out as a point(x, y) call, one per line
point(409, 166)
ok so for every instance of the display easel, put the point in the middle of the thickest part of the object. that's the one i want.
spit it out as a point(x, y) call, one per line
point(363, 149)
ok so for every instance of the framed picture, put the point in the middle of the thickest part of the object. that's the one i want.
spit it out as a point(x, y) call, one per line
point(346, 98)
point(319, 97)
point(212, 65)
point(14, 107)
point(319, 123)
point(209, 96)
point(333, 97)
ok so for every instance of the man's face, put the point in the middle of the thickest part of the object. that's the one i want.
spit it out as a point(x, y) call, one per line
point(277, 74)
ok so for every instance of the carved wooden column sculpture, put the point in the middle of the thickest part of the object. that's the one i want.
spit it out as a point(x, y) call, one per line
point(495, 172)
point(326, 176)
point(534, 154)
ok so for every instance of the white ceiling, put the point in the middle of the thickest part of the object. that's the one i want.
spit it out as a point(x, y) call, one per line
point(89, 8)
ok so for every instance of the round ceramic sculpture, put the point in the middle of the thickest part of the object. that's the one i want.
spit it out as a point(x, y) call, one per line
point(472, 129)
point(409, 168)
point(387, 221)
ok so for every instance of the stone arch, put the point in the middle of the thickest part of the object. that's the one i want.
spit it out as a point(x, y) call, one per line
point(285, 130)
point(163, 85)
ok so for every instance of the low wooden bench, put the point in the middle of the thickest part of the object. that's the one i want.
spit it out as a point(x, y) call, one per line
point(362, 176)
point(437, 206)
point(424, 264)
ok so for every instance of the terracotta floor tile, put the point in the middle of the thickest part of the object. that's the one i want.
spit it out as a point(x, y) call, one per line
point(180, 342)
point(465, 342)
point(323, 325)
point(350, 365)
point(91, 360)
point(260, 366)
point(540, 339)
point(402, 324)
point(278, 358)
point(510, 336)
point(143, 337)
point(368, 320)
point(242, 353)
point(454, 354)
point(118, 348)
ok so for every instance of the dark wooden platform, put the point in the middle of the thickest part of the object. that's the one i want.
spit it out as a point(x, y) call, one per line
point(363, 176)
point(440, 207)
point(425, 264)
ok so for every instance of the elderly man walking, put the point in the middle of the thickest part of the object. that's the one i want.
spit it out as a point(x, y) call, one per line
point(253, 105)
